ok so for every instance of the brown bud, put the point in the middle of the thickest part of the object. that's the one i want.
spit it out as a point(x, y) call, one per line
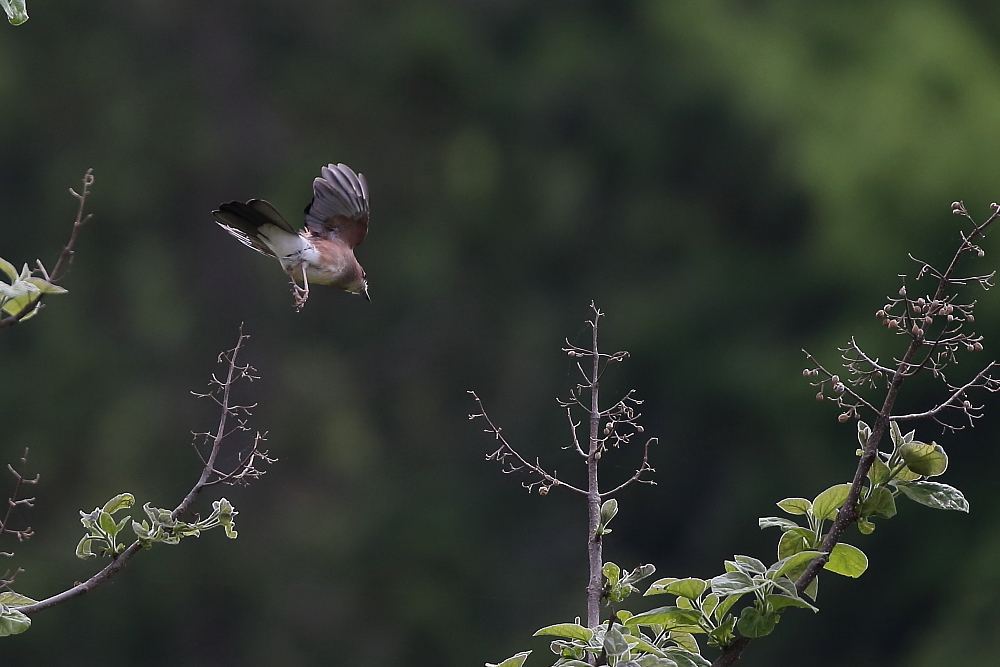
point(806, 372)
point(886, 323)
point(957, 208)
point(970, 318)
point(893, 324)
point(902, 291)
point(978, 346)
point(928, 319)
point(819, 396)
point(843, 417)
point(835, 379)
point(880, 314)
point(915, 330)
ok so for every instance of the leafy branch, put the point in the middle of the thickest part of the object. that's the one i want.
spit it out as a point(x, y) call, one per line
point(937, 328)
point(163, 525)
point(22, 298)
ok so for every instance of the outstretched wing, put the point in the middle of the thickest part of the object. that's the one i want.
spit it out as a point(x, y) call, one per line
point(245, 220)
point(339, 207)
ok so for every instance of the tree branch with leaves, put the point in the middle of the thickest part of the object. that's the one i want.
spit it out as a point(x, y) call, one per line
point(104, 530)
point(746, 601)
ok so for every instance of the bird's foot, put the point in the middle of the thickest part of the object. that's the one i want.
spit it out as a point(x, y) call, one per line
point(300, 294)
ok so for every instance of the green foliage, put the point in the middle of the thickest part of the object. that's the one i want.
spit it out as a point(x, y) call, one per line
point(16, 11)
point(102, 529)
point(12, 621)
point(23, 289)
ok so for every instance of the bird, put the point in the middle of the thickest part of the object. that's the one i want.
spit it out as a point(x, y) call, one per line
point(322, 252)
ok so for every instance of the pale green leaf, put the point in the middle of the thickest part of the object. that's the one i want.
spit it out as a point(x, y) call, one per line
point(795, 505)
point(934, 494)
point(847, 560)
point(571, 630)
point(514, 661)
point(826, 504)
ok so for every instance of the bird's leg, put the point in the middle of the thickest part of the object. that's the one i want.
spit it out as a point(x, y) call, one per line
point(301, 294)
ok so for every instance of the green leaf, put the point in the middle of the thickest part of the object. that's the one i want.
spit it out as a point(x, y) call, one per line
point(710, 603)
point(614, 642)
point(612, 573)
point(826, 504)
point(847, 560)
point(669, 617)
point(779, 602)
point(515, 660)
point(750, 565)
point(726, 605)
point(659, 586)
point(7, 267)
point(897, 435)
point(83, 549)
point(864, 432)
point(638, 574)
point(796, 561)
point(867, 527)
point(879, 503)
point(16, 11)
point(685, 658)
point(45, 286)
point(934, 494)
point(107, 523)
point(928, 459)
point(686, 641)
point(733, 583)
point(12, 622)
point(812, 590)
point(879, 472)
point(753, 623)
point(795, 505)
point(608, 511)
point(795, 540)
point(776, 522)
point(12, 599)
point(689, 588)
point(571, 630)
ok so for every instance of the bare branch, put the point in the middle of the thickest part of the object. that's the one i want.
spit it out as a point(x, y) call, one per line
point(505, 452)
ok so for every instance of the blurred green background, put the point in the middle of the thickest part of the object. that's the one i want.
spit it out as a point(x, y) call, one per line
point(730, 181)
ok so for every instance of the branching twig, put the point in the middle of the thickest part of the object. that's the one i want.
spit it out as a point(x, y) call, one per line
point(64, 260)
point(609, 428)
point(13, 501)
point(512, 461)
point(917, 316)
point(244, 469)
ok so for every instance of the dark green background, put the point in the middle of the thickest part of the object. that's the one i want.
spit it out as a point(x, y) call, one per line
point(730, 181)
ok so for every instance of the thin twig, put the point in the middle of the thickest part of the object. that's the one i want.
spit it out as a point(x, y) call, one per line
point(65, 255)
point(209, 474)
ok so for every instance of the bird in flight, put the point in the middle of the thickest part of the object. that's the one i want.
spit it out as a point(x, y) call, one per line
point(336, 220)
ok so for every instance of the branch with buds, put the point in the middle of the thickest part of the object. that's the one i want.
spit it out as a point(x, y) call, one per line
point(609, 428)
point(937, 328)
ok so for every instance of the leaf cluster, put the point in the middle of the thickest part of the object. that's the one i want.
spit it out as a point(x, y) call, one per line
point(23, 289)
point(101, 538)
